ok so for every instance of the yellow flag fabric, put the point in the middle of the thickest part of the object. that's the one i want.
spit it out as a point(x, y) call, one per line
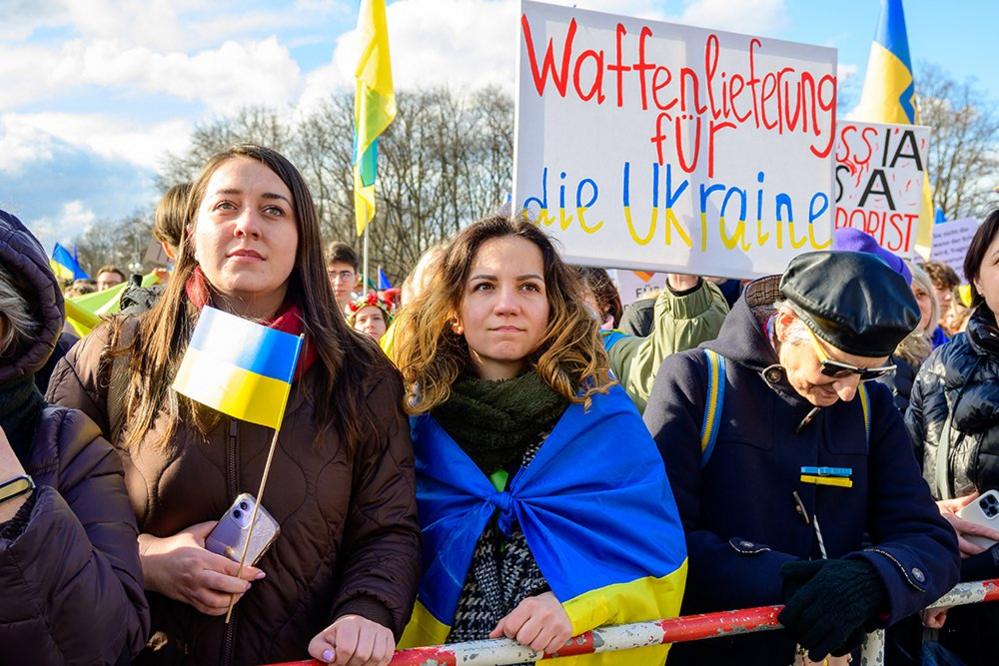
point(374, 105)
point(888, 97)
point(83, 313)
point(239, 367)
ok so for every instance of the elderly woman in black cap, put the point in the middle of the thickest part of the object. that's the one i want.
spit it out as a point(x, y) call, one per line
point(793, 473)
point(70, 580)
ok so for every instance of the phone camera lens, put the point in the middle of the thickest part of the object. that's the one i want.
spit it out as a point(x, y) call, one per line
point(244, 506)
point(237, 514)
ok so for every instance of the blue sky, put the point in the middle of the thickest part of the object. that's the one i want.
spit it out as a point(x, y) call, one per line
point(97, 91)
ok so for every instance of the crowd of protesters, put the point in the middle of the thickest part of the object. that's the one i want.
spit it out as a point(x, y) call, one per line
point(497, 449)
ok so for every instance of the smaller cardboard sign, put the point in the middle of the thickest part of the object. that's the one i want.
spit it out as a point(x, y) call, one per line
point(155, 254)
point(951, 241)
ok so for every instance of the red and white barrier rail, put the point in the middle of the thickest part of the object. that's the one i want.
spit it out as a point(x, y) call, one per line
point(499, 652)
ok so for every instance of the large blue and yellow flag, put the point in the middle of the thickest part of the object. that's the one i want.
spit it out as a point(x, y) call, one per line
point(374, 105)
point(596, 510)
point(889, 96)
point(239, 367)
point(65, 266)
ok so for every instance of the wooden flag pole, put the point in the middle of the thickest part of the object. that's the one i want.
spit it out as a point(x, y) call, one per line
point(253, 519)
point(260, 494)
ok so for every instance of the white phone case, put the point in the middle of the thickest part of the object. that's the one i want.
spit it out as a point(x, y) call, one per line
point(983, 511)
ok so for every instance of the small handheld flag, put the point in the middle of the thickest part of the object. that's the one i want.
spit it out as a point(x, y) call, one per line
point(239, 368)
point(65, 265)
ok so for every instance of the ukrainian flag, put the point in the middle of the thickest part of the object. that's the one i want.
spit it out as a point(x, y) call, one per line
point(889, 96)
point(594, 505)
point(65, 266)
point(374, 106)
point(239, 368)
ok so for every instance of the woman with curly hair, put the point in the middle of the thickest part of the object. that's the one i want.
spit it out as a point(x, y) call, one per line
point(531, 461)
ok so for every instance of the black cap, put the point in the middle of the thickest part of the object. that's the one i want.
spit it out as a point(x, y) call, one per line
point(852, 300)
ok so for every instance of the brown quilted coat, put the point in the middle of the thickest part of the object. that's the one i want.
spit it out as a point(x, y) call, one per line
point(349, 539)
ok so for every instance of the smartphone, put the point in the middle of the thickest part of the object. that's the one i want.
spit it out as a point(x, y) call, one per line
point(983, 511)
point(229, 536)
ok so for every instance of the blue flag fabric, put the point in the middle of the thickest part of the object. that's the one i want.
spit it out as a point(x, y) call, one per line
point(65, 264)
point(383, 281)
point(594, 505)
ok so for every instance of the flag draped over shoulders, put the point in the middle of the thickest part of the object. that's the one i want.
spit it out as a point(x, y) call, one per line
point(594, 506)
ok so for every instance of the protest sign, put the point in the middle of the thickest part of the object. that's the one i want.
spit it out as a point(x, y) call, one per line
point(633, 285)
point(879, 181)
point(951, 241)
point(648, 145)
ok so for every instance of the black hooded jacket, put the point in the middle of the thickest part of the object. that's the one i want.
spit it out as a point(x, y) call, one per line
point(955, 401)
point(71, 587)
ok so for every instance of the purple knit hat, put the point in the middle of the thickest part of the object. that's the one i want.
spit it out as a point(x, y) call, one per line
point(855, 240)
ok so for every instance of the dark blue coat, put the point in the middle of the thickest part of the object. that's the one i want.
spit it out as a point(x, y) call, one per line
point(738, 510)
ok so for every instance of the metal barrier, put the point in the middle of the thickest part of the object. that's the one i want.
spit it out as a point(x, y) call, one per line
point(499, 652)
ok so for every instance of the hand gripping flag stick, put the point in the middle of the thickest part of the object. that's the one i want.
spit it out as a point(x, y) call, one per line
point(250, 382)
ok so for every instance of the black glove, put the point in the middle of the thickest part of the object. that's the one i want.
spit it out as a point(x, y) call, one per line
point(828, 603)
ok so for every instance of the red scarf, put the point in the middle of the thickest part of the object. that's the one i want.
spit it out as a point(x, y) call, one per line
point(288, 318)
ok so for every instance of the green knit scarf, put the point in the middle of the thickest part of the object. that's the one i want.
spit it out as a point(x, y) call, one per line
point(495, 422)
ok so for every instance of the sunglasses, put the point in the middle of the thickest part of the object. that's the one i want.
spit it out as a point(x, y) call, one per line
point(839, 370)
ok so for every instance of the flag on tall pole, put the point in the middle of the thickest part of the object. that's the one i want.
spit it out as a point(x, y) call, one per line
point(374, 105)
point(889, 96)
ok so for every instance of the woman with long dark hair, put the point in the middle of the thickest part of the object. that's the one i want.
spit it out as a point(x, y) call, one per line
point(340, 579)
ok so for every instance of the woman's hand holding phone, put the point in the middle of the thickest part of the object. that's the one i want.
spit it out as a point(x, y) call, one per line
point(179, 567)
point(353, 640)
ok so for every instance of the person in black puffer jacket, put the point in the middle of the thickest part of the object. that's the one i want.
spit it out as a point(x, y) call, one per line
point(953, 420)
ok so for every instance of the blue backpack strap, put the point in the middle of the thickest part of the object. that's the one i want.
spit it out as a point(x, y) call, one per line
point(713, 403)
point(865, 407)
point(611, 338)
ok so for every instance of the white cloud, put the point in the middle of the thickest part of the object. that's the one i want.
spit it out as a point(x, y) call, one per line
point(846, 72)
point(21, 144)
point(73, 219)
point(107, 136)
point(223, 79)
point(755, 17)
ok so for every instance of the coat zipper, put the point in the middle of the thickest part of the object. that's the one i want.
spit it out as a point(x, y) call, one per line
point(232, 485)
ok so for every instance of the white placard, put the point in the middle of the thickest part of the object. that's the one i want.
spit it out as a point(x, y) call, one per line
point(951, 241)
point(655, 146)
point(879, 181)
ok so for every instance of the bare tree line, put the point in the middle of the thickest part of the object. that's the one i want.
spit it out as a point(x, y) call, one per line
point(447, 159)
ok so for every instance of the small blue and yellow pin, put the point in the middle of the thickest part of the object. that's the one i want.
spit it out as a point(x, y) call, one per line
point(827, 476)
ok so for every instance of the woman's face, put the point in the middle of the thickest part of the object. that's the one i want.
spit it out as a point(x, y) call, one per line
point(370, 320)
point(504, 309)
point(925, 302)
point(246, 235)
point(987, 282)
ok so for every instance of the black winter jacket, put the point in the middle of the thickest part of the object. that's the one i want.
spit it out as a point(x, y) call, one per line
point(956, 401)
